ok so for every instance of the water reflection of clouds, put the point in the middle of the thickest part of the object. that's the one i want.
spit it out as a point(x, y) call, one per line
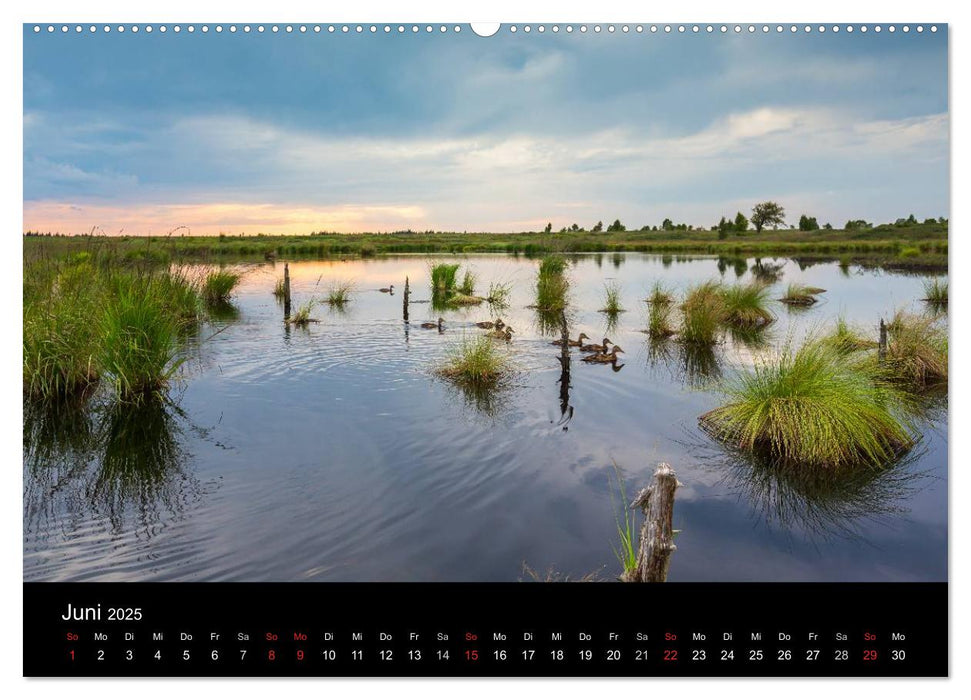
point(350, 387)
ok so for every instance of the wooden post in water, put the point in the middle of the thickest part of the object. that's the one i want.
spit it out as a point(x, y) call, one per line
point(657, 534)
point(286, 291)
point(404, 301)
point(566, 411)
point(882, 349)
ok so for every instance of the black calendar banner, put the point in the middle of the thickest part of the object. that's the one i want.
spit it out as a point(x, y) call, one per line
point(569, 629)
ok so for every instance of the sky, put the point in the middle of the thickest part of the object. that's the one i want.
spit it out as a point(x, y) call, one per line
point(292, 133)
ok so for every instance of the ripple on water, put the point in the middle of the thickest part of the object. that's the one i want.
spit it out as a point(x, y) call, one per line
point(333, 453)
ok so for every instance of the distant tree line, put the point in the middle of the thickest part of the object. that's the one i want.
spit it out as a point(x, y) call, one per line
point(764, 215)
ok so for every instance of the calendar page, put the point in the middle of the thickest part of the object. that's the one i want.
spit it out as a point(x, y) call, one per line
point(519, 349)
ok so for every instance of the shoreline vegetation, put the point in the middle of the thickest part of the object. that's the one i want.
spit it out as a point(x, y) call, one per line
point(87, 322)
point(919, 246)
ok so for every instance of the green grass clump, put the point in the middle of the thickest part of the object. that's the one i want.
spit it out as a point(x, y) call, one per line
point(745, 305)
point(810, 408)
point(279, 289)
point(181, 295)
point(660, 295)
point(702, 313)
point(935, 292)
point(552, 265)
point(476, 361)
point(551, 284)
point(218, 285)
point(917, 351)
point(302, 316)
point(801, 295)
point(460, 299)
point(846, 339)
point(138, 350)
point(339, 293)
point(84, 321)
point(467, 288)
point(60, 342)
point(443, 279)
point(499, 294)
point(611, 299)
point(659, 323)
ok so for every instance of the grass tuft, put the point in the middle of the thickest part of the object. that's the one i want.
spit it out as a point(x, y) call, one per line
point(551, 284)
point(302, 317)
point(218, 286)
point(801, 295)
point(499, 293)
point(612, 299)
point(811, 409)
point(85, 321)
point(139, 340)
point(659, 323)
point(444, 278)
point(917, 351)
point(475, 361)
point(59, 341)
point(660, 295)
point(467, 288)
point(702, 312)
point(745, 305)
point(935, 293)
point(846, 339)
point(339, 293)
point(460, 299)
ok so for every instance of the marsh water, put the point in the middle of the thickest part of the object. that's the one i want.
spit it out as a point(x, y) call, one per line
point(333, 453)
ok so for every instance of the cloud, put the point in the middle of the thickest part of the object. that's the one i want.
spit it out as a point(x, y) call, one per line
point(41, 173)
point(206, 172)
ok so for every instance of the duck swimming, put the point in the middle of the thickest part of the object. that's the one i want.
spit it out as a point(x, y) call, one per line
point(502, 334)
point(572, 343)
point(604, 358)
point(489, 324)
point(387, 290)
point(429, 324)
point(593, 347)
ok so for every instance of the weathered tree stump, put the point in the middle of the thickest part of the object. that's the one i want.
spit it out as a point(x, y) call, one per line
point(286, 291)
point(657, 534)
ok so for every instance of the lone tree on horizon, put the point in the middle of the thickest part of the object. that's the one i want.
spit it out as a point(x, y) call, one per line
point(767, 214)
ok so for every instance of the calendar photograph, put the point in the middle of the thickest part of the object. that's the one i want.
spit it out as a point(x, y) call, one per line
point(523, 303)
